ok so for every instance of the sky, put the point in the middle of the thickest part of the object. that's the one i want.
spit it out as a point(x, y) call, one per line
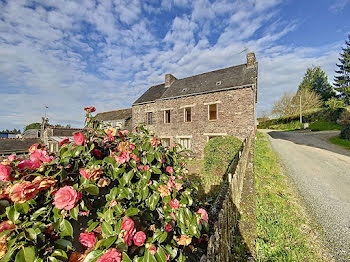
point(70, 54)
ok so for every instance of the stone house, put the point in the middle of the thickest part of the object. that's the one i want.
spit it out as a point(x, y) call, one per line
point(192, 110)
point(17, 146)
point(118, 118)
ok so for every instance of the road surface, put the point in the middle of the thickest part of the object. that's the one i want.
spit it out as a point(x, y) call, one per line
point(321, 173)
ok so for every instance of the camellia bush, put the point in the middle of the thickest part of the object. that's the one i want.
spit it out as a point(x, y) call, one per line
point(110, 195)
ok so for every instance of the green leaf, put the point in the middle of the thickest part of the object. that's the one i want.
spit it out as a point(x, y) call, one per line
point(93, 256)
point(92, 189)
point(64, 244)
point(60, 254)
point(160, 255)
point(108, 241)
point(158, 156)
point(12, 214)
point(22, 208)
point(150, 158)
point(162, 237)
point(127, 177)
point(66, 228)
point(26, 254)
point(74, 213)
point(126, 258)
point(132, 212)
point(92, 226)
point(148, 257)
point(144, 192)
point(108, 216)
point(153, 200)
point(107, 229)
point(32, 234)
point(156, 170)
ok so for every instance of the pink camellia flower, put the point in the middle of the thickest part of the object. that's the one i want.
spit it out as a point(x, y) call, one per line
point(152, 249)
point(128, 237)
point(203, 214)
point(66, 198)
point(173, 215)
point(174, 203)
point(97, 153)
point(23, 191)
point(171, 182)
point(127, 224)
point(90, 109)
point(79, 138)
point(5, 172)
point(84, 173)
point(113, 203)
point(33, 147)
point(168, 227)
point(25, 164)
point(111, 256)
point(38, 154)
point(135, 157)
point(84, 213)
point(139, 238)
point(123, 133)
point(124, 157)
point(63, 141)
point(87, 239)
point(145, 168)
point(169, 169)
point(12, 157)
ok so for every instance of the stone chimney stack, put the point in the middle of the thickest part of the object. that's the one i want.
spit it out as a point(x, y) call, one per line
point(169, 79)
point(251, 61)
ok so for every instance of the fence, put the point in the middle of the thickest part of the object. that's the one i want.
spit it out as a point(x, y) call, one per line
point(228, 205)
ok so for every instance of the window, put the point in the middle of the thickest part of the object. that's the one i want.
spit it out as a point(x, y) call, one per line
point(167, 116)
point(149, 118)
point(185, 143)
point(166, 141)
point(188, 114)
point(213, 111)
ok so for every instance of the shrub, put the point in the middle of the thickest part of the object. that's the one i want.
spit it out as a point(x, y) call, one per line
point(334, 103)
point(294, 125)
point(219, 152)
point(344, 118)
point(110, 194)
point(345, 132)
point(324, 125)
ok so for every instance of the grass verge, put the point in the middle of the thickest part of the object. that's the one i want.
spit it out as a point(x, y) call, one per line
point(284, 231)
point(324, 126)
point(341, 142)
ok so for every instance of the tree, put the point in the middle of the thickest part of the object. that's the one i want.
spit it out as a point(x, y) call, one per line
point(334, 103)
point(32, 126)
point(315, 80)
point(289, 104)
point(342, 80)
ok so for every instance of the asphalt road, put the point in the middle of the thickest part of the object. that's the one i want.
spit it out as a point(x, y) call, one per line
point(321, 173)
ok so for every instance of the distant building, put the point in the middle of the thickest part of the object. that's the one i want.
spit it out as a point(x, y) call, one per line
point(9, 135)
point(192, 110)
point(18, 146)
point(118, 118)
point(32, 133)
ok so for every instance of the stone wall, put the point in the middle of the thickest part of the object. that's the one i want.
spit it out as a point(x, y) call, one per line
point(230, 206)
point(236, 116)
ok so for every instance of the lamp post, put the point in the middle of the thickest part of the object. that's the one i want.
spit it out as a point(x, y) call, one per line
point(300, 110)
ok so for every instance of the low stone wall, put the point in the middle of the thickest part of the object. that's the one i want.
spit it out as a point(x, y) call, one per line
point(229, 205)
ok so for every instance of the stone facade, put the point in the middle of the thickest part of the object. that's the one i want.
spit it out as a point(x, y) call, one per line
point(235, 116)
point(190, 123)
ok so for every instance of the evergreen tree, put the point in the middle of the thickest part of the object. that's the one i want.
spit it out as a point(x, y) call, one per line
point(342, 80)
point(315, 80)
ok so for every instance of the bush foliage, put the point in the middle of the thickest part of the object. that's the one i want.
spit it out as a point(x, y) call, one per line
point(345, 132)
point(109, 196)
point(219, 152)
point(324, 125)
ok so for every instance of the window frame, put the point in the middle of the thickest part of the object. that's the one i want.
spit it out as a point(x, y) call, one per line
point(217, 111)
point(150, 113)
point(185, 114)
point(164, 116)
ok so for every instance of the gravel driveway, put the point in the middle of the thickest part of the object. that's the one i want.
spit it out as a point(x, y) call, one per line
point(321, 173)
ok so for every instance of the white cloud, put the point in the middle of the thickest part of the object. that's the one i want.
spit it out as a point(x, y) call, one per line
point(338, 5)
point(70, 54)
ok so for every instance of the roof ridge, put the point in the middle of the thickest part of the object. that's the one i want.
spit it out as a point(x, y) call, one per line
point(114, 110)
point(18, 138)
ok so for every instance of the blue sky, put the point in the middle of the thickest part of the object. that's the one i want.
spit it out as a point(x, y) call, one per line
point(71, 54)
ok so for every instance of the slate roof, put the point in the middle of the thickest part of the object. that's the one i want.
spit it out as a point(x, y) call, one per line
point(231, 77)
point(152, 94)
point(13, 145)
point(115, 115)
point(64, 131)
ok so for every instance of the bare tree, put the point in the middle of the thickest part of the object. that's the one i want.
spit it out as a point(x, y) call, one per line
point(289, 104)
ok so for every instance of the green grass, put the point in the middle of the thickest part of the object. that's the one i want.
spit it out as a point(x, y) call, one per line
point(284, 231)
point(324, 125)
point(341, 142)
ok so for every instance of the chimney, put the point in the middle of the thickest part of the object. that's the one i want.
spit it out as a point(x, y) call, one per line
point(251, 61)
point(169, 79)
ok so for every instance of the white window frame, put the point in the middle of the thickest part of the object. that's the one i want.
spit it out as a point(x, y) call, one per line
point(185, 114)
point(178, 138)
point(167, 137)
point(164, 113)
point(147, 122)
point(217, 111)
point(214, 134)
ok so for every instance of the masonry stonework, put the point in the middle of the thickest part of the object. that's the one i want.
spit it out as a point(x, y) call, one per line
point(236, 117)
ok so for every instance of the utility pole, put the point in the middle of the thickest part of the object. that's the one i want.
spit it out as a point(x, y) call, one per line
point(300, 108)
point(46, 107)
